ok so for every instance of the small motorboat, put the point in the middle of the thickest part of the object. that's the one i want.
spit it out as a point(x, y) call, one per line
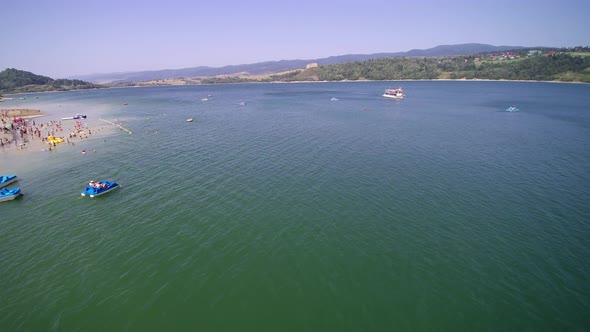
point(189, 120)
point(394, 93)
point(9, 194)
point(334, 99)
point(512, 109)
point(99, 188)
point(7, 179)
point(75, 117)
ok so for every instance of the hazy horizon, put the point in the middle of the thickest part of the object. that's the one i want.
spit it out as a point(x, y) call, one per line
point(67, 38)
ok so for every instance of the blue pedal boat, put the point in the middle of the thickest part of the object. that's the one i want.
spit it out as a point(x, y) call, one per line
point(99, 188)
point(7, 179)
point(9, 194)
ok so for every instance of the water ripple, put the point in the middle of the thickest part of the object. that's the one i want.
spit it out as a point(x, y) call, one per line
point(430, 213)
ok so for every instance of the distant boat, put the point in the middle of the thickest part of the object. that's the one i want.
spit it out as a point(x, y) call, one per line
point(394, 93)
point(125, 104)
point(98, 188)
point(23, 98)
point(512, 109)
point(204, 99)
point(334, 99)
point(243, 103)
point(9, 194)
point(189, 120)
point(7, 179)
point(75, 117)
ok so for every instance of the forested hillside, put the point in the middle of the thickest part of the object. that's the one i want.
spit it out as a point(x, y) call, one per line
point(565, 65)
point(510, 66)
point(15, 81)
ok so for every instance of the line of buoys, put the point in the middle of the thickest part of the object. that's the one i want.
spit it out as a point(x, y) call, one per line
point(118, 125)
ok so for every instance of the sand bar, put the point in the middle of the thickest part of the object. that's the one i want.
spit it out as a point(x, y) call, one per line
point(21, 131)
point(25, 113)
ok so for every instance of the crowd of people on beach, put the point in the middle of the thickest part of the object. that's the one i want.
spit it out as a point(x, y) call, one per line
point(20, 132)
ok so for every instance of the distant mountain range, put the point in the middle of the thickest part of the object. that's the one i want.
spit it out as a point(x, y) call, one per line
point(285, 65)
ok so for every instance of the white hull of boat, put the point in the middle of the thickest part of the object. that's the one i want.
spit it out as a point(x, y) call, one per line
point(393, 96)
point(101, 193)
point(8, 198)
point(76, 117)
point(8, 182)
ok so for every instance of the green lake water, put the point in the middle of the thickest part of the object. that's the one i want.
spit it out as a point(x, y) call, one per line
point(293, 212)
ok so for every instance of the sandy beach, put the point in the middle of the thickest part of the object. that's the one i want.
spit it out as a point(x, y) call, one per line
point(22, 131)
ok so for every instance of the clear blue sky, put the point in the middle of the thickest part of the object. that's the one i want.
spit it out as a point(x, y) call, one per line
point(62, 38)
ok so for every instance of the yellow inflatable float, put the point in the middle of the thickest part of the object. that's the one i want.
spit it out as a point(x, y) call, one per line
point(55, 140)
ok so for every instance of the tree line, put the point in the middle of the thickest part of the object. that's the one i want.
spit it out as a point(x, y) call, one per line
point(14, 80)
point(542, 67)
point(524, 64)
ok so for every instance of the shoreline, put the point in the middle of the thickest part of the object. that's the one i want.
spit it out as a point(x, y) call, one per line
point(35, 92)
point(21, 135)
point(417, 80)
point(351, 81)
point(295, 82)
point(29, 113)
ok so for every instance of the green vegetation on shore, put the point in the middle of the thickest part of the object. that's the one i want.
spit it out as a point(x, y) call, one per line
point(566, 65)
point(538, 68)
point(19, 81)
